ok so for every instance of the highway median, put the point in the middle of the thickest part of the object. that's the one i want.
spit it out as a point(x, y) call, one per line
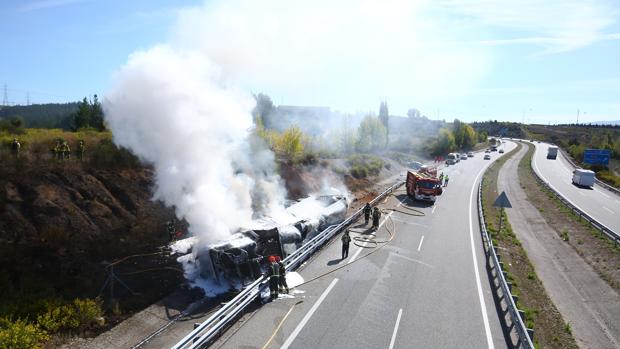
point(540, 314)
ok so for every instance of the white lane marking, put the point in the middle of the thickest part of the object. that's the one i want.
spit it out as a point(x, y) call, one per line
point(612, 212)
point(483, 306)
point(400, 312)
point(581, 193)
point(420, 245)
point(434, 207)
point(303, 322)
point(357, 253)
point(600, 192)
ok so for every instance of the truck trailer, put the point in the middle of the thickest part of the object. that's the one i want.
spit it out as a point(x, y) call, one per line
point(583, 178)
point(552, 152)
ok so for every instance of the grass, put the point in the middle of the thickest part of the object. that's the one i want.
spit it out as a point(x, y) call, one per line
point(540, 313)
point(364, 165)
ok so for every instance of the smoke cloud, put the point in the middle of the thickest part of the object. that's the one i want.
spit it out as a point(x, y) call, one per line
point(175, 110)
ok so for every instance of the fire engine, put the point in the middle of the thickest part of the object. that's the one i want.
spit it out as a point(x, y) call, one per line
point(423, 185)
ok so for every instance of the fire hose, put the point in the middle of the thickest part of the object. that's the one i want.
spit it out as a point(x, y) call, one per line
point(375, 244)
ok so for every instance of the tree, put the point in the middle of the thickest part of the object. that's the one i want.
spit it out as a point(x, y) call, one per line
point(290, 144)
point(443, 144)
point(371, 134)
point(96, 115)
point(264, 110)
point(384, 116)
point(81, 118)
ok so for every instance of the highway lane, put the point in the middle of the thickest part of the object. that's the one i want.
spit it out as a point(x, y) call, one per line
point(427, 288)
point(600, 203)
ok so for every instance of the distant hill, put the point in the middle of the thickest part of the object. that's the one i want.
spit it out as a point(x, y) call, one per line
point(500, 128)
point(612, 122)
point(52, 115)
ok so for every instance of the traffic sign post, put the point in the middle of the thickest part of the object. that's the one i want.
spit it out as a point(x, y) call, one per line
point(501, 202)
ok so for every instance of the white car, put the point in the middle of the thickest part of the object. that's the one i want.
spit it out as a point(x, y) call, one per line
point(470, 154)
point(463, 156)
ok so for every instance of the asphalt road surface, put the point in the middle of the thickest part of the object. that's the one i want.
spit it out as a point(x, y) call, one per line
point(427, 288)
point(586, 301)
point(598, 202)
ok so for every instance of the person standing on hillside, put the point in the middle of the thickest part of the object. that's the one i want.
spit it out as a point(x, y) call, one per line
point(80, 150)
point(65, 150)
point(15, 147)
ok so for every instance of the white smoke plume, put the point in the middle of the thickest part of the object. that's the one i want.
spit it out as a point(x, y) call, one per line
point(174, 109)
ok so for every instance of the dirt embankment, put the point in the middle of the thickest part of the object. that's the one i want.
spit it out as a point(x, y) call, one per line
point(60, 225)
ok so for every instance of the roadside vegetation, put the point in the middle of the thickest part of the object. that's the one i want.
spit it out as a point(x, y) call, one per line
point(550, 330)
point(592, 245)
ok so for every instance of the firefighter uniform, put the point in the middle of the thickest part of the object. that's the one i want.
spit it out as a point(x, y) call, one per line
point(274, 277)
point(367, 211)
point(282, 285)
point(376, 215)
point(346, 238)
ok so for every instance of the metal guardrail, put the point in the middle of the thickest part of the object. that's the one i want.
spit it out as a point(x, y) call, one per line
point(614, 236)
point(523, 332)
point(214, 325)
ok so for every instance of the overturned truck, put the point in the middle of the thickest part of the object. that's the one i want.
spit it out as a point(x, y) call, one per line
point(243, 257)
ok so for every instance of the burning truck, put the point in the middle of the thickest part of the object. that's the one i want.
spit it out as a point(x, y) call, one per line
point(243, 257)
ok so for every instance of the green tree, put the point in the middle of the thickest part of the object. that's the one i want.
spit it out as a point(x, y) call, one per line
point(371, 134)
point(96, 115)
point(443, 144)
point(290, 144)
point(81, 118)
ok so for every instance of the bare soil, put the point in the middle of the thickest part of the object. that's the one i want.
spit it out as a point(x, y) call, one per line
point(550, 329)
point(595, 248)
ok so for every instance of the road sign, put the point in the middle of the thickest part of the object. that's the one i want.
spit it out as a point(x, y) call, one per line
point(596, 156)
point(502, 201)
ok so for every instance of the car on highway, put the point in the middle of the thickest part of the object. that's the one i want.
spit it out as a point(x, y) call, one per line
point(487, 156)
point(487, 151)
point(470, 154)
point(501, 151)
point(463, 156)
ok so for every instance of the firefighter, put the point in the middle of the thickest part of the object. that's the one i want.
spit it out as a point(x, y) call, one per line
point(171, 228)
point(66, 151)
point(367, 211)
point(346, 238)
point(80, 150)
point(376, 215)
point(273, 273)
point(15, 147)
point(282, 285)
point(441, 179)
point(446, 179)
point(56, 150)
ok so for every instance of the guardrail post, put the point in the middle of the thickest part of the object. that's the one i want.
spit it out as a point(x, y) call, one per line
point(522, 314)
point(196, 325)
point(509, 286)
point(515, 298)
point(530, 333)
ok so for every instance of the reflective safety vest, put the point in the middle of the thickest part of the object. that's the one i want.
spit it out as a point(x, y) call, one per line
point(274, 270)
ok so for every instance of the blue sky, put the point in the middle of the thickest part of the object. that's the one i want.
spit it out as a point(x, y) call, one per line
point(520, 60)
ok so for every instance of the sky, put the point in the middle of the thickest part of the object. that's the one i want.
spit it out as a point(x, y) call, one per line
point(533, 61)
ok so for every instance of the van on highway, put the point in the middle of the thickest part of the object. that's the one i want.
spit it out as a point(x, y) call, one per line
point(583, 178)
point(452, 159)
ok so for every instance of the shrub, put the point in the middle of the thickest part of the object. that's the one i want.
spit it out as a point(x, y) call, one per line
point(359, 172)
point(76, 315)
point(21, 334)
point(107, 154)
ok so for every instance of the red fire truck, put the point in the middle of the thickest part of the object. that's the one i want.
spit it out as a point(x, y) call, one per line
point(423, 185)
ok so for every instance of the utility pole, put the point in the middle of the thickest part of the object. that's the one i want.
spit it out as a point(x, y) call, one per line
point(28, 98)
point(5, 99)
point(577, 116)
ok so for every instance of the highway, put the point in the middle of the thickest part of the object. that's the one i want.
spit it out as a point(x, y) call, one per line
point(428, 288)
point(598, 202)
